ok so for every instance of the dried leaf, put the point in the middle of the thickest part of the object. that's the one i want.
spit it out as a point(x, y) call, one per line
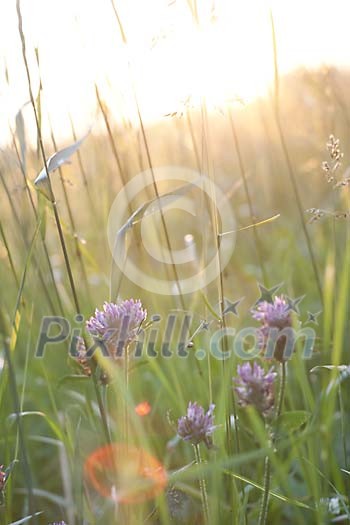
point(56, 161)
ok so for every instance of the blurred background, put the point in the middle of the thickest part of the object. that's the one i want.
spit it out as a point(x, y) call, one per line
point(177, 83)
point(220, 49)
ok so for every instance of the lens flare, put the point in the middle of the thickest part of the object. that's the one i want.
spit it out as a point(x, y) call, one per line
point(143, 409)
point(125, 474)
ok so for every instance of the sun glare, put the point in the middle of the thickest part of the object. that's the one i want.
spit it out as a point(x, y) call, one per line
point(171, 55)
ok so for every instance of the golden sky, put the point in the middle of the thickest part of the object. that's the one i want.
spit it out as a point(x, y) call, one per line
point(168, 57)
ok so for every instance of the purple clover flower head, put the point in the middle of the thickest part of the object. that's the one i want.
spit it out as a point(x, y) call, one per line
point(274, 315)
point(197, 426)
point(117, 325)
point(58, 523)
point(275, 318)
point(255, 387)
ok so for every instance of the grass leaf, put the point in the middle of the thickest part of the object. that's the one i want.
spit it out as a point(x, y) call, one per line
point(26, 519)
point(293, 420)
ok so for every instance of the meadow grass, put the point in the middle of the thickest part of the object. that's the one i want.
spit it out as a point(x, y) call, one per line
point(291, 468)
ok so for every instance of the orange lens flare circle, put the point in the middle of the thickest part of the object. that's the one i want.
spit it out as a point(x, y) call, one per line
point(143, 409)
point(125, 474)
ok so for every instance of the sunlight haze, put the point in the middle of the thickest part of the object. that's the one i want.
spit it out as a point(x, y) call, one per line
point(168, 57)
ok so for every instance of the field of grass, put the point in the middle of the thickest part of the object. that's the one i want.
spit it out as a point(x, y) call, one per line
point(263, 169)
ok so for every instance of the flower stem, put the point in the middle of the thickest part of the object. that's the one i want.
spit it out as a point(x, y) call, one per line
point(126, 511)
point(202, 486)
point(282, 389)
point(126, 395)
point(265, 500)
point(104, 420)
point(267, 467)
